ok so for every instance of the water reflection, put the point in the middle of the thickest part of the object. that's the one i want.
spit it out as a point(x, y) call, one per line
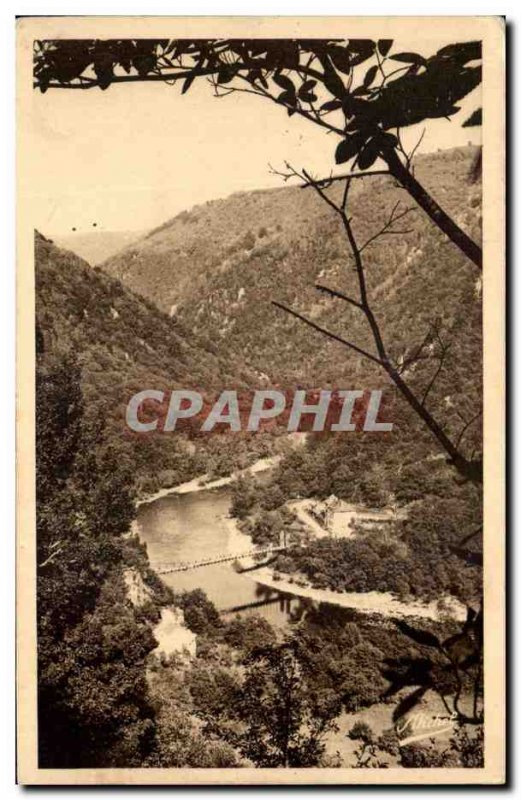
point(194, 526)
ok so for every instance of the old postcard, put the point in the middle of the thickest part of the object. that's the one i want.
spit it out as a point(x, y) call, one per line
point(261, 469)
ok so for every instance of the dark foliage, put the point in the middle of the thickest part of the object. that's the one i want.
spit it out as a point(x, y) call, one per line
point(459, 670)
point(93, 705)
point(286, 720)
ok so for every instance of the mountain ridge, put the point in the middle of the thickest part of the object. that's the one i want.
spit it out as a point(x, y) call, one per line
point(96, 246)
point(217, 268)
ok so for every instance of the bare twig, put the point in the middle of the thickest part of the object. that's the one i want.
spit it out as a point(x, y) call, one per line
point(321, 192)
point(323, 182)
point(441, 359)
point(466, 426)
point(334, 178)
point(386, 229)
point(413, 151)
point(340, 295)
point(327, 333)
point(382, 359)
point(418, 354)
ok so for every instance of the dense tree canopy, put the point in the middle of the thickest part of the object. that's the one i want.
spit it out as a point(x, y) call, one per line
point(92, 694)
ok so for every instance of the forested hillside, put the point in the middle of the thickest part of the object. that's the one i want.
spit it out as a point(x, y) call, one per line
point(218, 273)
point(123, 344)
point(215, 271)
point(218, 267)
point(213, 274)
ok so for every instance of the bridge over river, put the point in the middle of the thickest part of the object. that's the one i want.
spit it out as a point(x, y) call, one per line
point(184, 566)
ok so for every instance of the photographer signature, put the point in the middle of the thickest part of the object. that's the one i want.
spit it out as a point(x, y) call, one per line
point(420, 726)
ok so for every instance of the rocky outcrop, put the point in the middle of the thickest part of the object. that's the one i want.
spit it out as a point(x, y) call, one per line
point(172, 635)
point(137, 592)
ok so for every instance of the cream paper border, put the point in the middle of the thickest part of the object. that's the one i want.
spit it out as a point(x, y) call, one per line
point(491, 30)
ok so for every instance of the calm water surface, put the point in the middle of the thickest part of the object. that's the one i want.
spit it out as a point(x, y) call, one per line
point(192, 527)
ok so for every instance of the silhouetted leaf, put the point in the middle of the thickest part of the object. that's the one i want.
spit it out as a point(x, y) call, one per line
point(284, 82)
point(360, 91)
point(332, 82)
point(144, 64)
point(361, 50)
point(104, 70)
point(340, 58)
point(384, 45)
point(256, 75)
point(331, 105)
point(288, 53)
point(347, 149)
point(226, 73)
point(287, 98)
point(460, 52)
point(370, 75)
point(362, 110)
point(409, 58)
point(387, 140)
point(308, 98)
point(305, 92)
point(449, 111)
point(476, 118)
point(306, 87)
point(368, 155)
point(187, 83)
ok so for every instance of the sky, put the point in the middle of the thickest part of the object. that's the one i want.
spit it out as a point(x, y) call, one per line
point(132, 157)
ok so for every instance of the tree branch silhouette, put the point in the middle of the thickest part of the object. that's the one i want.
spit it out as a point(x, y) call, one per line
point(285, 72)
point(469, 469)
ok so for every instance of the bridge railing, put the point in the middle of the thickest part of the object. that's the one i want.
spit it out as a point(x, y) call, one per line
point(186, 565)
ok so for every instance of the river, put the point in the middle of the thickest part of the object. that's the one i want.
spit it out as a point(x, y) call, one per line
point(193, 524)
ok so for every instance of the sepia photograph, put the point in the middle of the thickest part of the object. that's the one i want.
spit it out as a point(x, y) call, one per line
point(261, 482)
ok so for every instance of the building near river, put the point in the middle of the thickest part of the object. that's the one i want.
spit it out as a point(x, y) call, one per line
point(343, 520)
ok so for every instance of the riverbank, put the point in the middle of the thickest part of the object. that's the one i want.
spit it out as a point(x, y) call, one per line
point(202, 483)
point(374, 602)
point(383, 603)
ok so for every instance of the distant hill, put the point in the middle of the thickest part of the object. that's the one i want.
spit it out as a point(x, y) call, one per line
point(97, 246)
point(216, 268)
